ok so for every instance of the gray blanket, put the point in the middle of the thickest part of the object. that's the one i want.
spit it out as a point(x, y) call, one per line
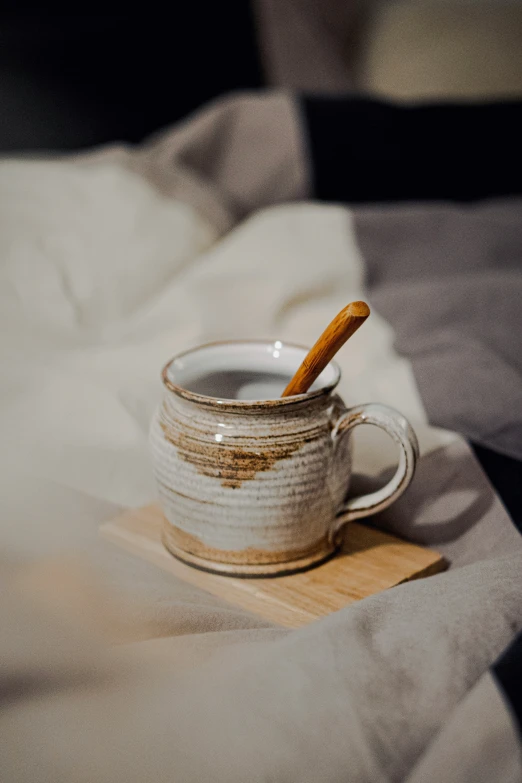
point(449, 280)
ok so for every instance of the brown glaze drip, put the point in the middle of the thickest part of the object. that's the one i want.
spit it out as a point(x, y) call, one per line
point(231, 464)
point(193, 545)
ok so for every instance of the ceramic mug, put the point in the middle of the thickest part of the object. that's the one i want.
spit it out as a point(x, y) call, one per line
point(253, 484)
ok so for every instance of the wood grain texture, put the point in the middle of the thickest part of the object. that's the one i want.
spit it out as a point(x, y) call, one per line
point(369, 561)
point(334, 337)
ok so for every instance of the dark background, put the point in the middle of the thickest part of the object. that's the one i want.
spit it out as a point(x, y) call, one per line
point(74, 79)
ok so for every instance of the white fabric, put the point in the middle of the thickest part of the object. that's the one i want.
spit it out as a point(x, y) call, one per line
point(102, 280)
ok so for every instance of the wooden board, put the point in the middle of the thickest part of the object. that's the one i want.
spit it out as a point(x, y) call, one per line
point(369, 561)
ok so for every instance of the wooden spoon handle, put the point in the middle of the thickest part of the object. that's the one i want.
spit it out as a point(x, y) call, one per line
point(334, 336)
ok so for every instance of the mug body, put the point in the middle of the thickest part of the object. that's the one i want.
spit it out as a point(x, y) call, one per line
point(249, 482)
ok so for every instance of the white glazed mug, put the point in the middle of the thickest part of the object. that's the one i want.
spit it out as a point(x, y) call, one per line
point(257, 487)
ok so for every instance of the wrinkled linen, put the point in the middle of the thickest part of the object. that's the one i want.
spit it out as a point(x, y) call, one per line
point(110, 263)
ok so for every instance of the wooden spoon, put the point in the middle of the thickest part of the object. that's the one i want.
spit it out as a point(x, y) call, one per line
point(334, 337)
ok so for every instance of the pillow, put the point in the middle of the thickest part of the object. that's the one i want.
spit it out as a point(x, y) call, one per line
point(434, 49)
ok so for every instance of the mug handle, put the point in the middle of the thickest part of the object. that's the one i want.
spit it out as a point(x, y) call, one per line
point(395, 424)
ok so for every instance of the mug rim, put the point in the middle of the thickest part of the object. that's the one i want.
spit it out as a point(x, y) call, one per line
point(226, 403)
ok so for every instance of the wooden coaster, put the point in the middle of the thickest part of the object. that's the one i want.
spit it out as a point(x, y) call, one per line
point(368, 562)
